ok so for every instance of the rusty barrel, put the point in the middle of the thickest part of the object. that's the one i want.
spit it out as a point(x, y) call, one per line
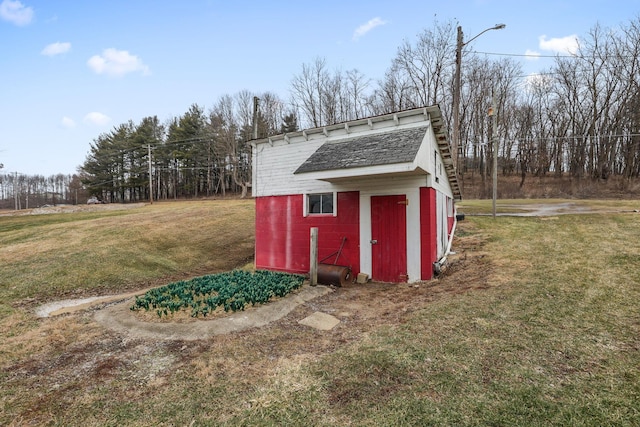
point(336, 275)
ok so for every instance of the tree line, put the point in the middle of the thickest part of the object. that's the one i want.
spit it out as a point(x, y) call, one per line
point(20, 191)
point(195, 155)
point(579, 117)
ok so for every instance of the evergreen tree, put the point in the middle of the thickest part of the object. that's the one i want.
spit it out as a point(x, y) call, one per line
point(289, 123)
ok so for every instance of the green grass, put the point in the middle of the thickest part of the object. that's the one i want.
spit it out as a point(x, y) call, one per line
point(551, 338)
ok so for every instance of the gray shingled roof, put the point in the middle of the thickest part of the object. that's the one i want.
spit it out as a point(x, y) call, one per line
point(372, 150)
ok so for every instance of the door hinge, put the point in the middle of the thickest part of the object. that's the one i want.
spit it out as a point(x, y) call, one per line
point(404, 202)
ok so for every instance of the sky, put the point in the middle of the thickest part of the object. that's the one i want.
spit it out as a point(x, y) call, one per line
point(72, 70)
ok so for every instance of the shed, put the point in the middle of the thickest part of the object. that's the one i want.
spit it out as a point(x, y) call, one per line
point(381, 188)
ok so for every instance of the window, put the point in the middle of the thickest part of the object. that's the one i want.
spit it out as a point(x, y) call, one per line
point(320, 203)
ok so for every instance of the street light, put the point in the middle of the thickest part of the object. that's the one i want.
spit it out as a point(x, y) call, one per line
point(456, 88)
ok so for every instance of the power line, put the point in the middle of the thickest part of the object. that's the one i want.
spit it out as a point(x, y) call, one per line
point(555, 138)
point(570, 56)
point(527, 55)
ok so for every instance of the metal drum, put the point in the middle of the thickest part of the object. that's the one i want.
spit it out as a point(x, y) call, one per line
point(336, 275)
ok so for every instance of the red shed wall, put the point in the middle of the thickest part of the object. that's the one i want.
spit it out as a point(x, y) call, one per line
point(450, 216)
point(282, 233)
point(428, 232)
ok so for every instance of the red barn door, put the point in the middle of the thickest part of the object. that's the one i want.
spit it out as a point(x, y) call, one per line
point(389, 238)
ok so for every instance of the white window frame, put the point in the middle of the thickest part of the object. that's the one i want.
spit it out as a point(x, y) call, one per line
point(305, 204)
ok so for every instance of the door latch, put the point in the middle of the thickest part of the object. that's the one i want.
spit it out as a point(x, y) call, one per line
point(373, 242)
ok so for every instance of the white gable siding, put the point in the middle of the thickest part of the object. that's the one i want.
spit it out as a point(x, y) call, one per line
point(275, 160)
point(273, 168)
point(438, 171)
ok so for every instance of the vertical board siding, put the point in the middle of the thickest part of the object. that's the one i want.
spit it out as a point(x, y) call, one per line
point(409, 186)
point(282, 233)
point(389, 230)
point(428, 232)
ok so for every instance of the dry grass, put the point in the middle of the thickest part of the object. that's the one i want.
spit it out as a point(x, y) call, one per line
point(553, 340)
point(47, 256)
point(534, 323)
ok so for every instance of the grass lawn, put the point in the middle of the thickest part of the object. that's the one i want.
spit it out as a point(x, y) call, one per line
point(535, 323)
point(554, 340)
point(71, 254)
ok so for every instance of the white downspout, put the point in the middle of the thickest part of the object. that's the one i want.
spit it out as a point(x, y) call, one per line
point(437, 266)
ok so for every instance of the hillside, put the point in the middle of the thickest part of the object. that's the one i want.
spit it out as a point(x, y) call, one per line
point(550, 187)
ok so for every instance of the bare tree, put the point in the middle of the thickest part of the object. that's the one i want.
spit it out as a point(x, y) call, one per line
point(272, 112)
point(356, 96)
point(307, 91)
point(427, 64)
point(393, 93)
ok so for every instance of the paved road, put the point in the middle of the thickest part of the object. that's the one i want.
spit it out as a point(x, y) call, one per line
point(550, 209)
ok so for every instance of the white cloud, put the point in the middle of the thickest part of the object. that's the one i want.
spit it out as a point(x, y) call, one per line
point(68, 122)
point(56, 49)
point(14, 11)
point(365, 28)
point(116, 63)
point(532, 55)
point(97, 119)
point(562, 45)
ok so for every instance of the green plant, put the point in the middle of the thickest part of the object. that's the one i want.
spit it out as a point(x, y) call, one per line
point(232, 291)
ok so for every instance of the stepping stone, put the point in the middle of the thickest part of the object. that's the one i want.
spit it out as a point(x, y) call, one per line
point(321, 321)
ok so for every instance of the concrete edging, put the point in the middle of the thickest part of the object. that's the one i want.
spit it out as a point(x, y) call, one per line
point(120, 318)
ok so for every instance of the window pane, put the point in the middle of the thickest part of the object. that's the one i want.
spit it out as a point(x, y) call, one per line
point(315, 203)
point(321, 203)
point(327, 203)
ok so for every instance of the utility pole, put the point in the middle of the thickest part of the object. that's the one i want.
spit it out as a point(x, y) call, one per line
point(15, 189)
point(460, 43)
point(493, 112)
point(150, 178)
point(256, 100)
point(455, 141)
